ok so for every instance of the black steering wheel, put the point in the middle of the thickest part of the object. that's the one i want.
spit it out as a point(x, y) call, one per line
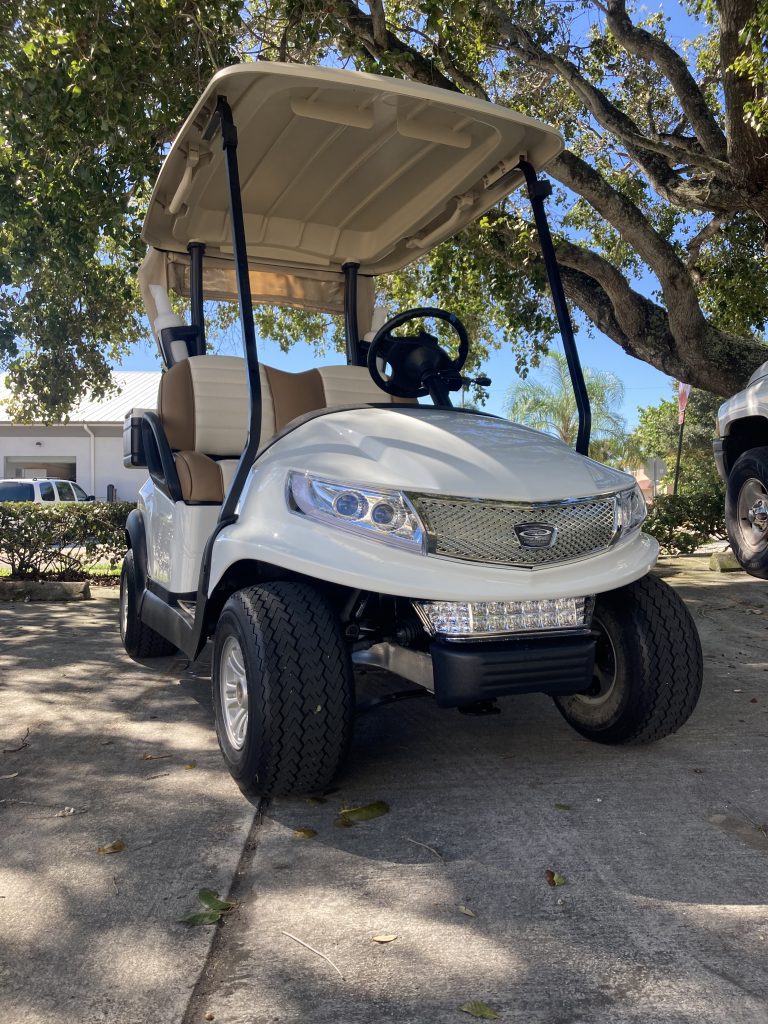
point(419, 365)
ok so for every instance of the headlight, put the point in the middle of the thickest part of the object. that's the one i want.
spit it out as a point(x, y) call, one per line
point(632, 510)
point(382, 515)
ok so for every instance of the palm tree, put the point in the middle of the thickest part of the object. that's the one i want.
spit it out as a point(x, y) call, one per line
point(549, 404)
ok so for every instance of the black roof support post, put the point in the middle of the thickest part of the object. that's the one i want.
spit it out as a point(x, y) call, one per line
point(538, 190)
point(196, 252)
point(222, 121)
point(351, 328)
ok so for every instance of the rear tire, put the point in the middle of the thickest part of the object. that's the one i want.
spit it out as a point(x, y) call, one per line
point(746, 494)
point(283, 691)
point(648, 667)
point(138, 639)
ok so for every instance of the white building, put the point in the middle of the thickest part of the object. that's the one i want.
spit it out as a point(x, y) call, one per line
point(88, 448)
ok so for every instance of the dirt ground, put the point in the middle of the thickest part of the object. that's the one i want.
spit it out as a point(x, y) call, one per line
point(663, 849)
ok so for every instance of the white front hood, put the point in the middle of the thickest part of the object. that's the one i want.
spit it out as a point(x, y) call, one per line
point(422, 450)
point(444, 451)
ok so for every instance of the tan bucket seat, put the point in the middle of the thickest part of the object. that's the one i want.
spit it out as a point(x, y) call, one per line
point(203, 407)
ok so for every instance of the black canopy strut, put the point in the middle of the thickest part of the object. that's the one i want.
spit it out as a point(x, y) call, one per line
point(196, 252)
point(222, 121)
point(538, 190)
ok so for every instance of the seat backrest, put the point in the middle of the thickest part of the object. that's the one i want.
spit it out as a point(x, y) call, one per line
point(203, 401)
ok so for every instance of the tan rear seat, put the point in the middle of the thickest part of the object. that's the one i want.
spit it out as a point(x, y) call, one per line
point(203, 406)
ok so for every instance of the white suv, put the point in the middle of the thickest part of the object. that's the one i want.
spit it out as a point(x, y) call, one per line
point(42, 491)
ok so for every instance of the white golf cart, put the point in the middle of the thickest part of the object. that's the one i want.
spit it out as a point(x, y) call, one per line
point(315, 521)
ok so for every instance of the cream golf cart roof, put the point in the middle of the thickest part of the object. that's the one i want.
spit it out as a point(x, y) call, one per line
point(337, 167)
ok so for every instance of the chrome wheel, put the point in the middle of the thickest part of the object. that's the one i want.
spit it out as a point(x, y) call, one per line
point(752, 515)
point(233, 692)
point(604, 672)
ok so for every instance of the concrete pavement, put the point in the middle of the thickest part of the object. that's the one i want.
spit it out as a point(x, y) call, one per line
point(662, 917)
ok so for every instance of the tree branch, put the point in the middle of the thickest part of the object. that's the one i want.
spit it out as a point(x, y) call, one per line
point(465, 82)
point(694, 247)
point(654, 158)
point(378, 23)
point(409, 61)
point(640, 43)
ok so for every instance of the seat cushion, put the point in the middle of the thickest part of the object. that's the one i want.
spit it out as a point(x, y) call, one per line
point(204, 407)
point(200, 477)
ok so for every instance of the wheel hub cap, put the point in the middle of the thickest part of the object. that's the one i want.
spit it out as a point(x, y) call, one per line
point(233, 692)
point(753, 514)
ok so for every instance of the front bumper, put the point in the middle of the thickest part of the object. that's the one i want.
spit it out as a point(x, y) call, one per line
point(463, 672)
point(467, 672)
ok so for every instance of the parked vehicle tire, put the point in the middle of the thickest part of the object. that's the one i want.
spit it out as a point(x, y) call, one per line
point(746, 511)
point(283, 691)
point(648, 667)
point(138, 639)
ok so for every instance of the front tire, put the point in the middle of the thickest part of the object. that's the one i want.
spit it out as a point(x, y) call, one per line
point(746, 511)
point(648, 667)
point(138, 639)
point(283, 691)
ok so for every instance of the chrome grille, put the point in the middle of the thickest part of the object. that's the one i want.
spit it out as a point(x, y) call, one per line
point(484, 531)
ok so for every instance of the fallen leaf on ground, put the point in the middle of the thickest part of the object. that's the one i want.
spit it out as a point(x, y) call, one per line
point(554, 878)
point(190, 765)
point(562, 807)
point(115, 847)
point(342, 822)
point(155, 757)
point(383, 938)
point(203, 917)
point(213, 901)
point(365, 812)
point(467, 911)
point(65, 813)
point(304, 833)
point(315, 801)
point(478, 1009)
point(11, 776)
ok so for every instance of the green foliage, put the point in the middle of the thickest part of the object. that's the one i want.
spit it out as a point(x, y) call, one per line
point(61, 541)
point(682, 523)
point(657, 433)
point(549, 404)
point(92, 92)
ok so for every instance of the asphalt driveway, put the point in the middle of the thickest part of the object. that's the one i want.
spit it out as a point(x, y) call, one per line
point(663, 850)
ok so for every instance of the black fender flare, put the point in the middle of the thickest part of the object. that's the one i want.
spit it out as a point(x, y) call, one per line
point(136, 539)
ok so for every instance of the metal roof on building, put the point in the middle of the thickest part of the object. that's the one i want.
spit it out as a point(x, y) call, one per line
point(135, 389)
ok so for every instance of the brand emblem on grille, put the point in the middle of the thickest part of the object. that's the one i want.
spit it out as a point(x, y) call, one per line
point(536, 535)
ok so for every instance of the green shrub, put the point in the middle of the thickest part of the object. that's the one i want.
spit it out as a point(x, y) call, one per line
point(61, 541)
point(684, 522)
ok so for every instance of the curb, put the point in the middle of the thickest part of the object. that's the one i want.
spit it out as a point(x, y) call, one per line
point(44, 590)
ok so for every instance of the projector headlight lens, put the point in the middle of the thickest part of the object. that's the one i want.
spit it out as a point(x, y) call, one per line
point(381, 515)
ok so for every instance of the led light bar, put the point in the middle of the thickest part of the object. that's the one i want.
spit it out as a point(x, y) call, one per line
point(497, 618)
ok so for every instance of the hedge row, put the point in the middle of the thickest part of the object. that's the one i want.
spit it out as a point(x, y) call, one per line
point(61, 541)
point(682, 523)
